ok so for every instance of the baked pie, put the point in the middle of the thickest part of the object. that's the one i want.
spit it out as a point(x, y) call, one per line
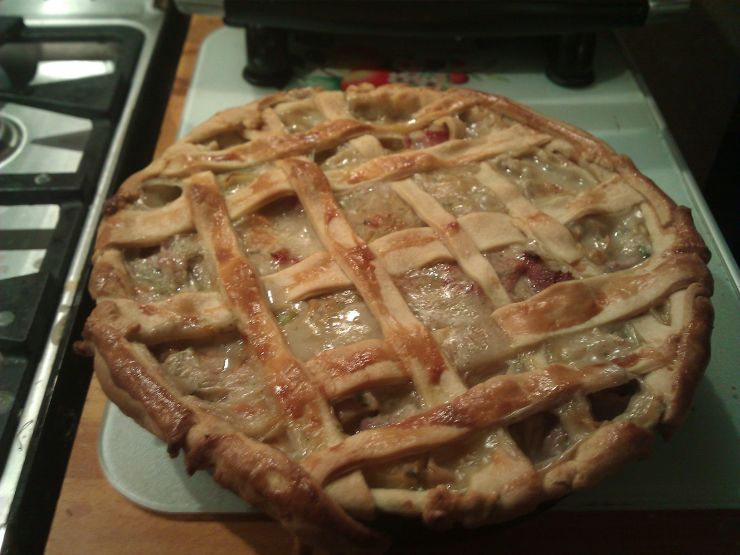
point(397, 301)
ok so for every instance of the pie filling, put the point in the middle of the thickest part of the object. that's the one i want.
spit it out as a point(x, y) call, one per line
point(225, 380)
point(614, 242)
point(459, 192)
point(327, 322)
point(544, 174)
point(441, 296)
point(413, 287)
point(375, 211)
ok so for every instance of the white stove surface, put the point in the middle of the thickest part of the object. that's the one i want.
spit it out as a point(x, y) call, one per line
point(696, 469)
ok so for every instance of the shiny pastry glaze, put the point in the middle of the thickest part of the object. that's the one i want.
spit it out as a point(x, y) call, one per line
point(440, 295)
point(316, 284)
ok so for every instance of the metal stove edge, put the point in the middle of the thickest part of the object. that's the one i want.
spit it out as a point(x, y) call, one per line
point(148, 19)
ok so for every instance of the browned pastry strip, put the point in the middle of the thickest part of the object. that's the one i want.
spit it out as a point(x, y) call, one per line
point(240, 289)
point(676, 383)
point(413, 111)
point(242, 118)
point(129, 372)
point(554, 236)
point(315, 275)
point(187, 161)
point(144, 228)
point(417, 352)
point(132, 368)
point(498, 401)
point(456, 239)
point(578, 304)
point(400, 251)
point(517, 326)
point(476, 418)
point(363, 365)
point(612, 195)
point(109, 277)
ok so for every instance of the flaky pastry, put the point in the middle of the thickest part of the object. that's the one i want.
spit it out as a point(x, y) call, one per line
point(399, 301)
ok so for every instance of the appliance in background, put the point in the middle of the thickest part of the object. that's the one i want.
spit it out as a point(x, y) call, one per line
point(78, 109)
point(687, 52)
point(61, 96)
point(570, 24)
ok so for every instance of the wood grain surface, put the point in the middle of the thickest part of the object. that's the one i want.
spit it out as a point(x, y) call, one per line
point(93, 518)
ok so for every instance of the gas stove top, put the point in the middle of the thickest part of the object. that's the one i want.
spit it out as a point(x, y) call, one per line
point(72, 74)
point(62, 89)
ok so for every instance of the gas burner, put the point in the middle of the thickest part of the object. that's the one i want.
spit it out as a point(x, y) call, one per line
point(11, 138)
point(50, 142)
point(64, 87)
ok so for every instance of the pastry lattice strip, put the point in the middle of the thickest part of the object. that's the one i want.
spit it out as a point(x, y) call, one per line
point(239, 287)
point(451, 412)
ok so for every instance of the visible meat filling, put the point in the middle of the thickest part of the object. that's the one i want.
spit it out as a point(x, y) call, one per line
point(614, 242)
point(327, 322)
point(532, 266)
point(424, 138)
point(277, 236)
point(525, 272)
point(375, 210)
point(177, 265)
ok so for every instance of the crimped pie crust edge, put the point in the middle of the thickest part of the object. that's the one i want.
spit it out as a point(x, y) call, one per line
point(285, 490)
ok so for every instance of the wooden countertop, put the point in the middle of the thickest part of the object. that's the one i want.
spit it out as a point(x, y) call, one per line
point(93, 518)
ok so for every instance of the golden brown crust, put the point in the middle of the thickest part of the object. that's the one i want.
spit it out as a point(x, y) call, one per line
point(129, 373)
point(319, 489)
point(260, 474)
point(692, 356)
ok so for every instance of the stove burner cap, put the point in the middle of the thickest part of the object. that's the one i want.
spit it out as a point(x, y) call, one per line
point(11, 138)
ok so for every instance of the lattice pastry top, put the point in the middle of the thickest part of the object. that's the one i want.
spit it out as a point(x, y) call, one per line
point(397, 300)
